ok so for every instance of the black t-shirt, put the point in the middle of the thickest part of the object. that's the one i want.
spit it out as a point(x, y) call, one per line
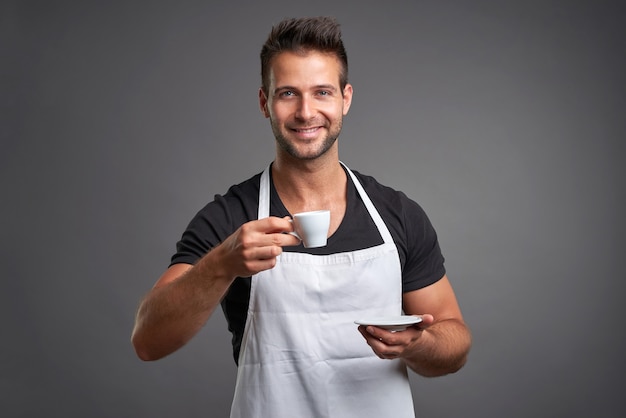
point(420, 256)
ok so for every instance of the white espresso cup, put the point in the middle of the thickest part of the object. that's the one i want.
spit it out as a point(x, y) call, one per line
point(312, 227)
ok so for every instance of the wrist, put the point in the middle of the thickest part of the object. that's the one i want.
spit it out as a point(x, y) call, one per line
point(211, 268)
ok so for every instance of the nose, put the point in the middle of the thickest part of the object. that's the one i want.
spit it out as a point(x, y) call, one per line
point(305, 109)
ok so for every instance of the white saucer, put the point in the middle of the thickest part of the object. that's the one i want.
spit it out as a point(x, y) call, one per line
point(391, 323)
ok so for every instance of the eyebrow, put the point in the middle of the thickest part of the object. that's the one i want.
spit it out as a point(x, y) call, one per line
point(317, 87)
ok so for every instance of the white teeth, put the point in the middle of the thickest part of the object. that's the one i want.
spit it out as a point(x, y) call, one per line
point(307, 130)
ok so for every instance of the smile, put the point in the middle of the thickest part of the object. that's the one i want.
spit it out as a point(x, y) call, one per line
point(306, 130)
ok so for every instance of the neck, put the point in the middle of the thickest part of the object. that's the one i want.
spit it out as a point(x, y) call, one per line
point(310, 185)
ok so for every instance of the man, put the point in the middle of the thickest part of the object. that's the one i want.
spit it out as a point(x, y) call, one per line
point(292, 309)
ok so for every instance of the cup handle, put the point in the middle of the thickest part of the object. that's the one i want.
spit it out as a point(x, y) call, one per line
point(294, 233)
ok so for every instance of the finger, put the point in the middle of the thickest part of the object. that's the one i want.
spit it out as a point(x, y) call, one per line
point(276, 240)
point(267, 252)
point(390, 356)
point(378, 343)
point(285, 239)
point(427, 320)
point(371, 340)
point(382, 335)
point(276, 231)
point(267, 233)
point(384, 351)
point(385, 343)
point(274, 224)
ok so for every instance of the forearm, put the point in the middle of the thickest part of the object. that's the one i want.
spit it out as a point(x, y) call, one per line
point(171, 314)
point(442, 349)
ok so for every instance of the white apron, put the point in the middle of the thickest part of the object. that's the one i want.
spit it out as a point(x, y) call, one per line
point(302, 355)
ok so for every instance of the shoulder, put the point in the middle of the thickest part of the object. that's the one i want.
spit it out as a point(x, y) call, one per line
point(217, 220)
point(389, 201)
point(371, 185)
point(226, 212)
point(412, 231)
point(242, 193)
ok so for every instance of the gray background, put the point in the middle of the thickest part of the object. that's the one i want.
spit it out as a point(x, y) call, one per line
point(504, 120)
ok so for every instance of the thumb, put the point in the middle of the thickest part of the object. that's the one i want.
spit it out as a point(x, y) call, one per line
point(427, 320)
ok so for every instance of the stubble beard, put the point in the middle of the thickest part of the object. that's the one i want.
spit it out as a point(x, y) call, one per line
point(293, 151)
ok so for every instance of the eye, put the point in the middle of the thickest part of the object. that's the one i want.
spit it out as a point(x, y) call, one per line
point(287, 93)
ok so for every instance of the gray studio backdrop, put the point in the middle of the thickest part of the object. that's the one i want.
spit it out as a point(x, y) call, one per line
point(504, 120)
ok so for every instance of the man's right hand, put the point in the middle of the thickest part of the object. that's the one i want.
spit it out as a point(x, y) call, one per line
point(254, 246)
point(183, 299)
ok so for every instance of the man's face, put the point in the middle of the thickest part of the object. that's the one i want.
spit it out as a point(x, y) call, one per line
point(305, 104)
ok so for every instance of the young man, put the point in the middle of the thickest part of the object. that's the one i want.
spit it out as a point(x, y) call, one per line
point(292, 310)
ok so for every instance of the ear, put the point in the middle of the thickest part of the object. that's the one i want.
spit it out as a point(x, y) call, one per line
point(263, 103)
point(347, 98)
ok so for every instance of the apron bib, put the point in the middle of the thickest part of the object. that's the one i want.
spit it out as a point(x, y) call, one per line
point(302, 355)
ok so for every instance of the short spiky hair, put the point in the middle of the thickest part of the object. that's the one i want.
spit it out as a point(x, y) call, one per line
point(301, 35)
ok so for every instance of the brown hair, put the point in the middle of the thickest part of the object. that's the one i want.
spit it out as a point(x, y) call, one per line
point(301, 35)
